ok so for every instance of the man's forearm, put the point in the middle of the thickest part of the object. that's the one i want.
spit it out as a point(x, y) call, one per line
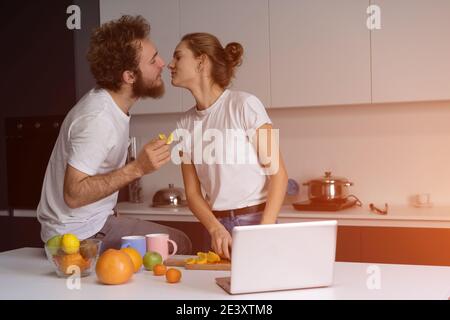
point(95, 188)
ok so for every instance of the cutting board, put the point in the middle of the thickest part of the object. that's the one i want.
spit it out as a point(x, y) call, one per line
point(179, 262)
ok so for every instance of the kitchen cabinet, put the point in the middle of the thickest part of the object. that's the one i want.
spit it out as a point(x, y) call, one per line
point(195, 231)
point(348, 244)
point(38, 70)
point(319, 52)
point(163, 16)
point(29, 144)
point(421, 246)
point(18, 232)
point(26, 232)
point(405, 245)
point(309, 52)
point(245, 22)
point(410, 53)
point(5, 233)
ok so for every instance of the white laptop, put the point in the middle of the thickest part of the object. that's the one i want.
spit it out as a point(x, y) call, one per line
point(281, 257)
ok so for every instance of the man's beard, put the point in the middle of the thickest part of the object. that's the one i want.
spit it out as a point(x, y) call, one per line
point(145, 90)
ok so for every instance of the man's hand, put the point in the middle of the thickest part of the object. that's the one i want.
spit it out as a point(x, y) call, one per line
point(153, 156)
point(221, 241)
point(81, 189)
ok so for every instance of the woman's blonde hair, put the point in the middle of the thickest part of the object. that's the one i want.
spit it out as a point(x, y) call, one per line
point(224, 60)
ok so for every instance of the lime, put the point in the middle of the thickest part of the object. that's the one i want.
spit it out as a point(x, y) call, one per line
point(53, 244)
point(151, 259)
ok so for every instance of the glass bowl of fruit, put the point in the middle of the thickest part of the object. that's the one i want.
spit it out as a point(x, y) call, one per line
point(70, 256)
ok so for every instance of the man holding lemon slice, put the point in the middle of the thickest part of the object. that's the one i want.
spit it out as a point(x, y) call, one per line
point(87, 166)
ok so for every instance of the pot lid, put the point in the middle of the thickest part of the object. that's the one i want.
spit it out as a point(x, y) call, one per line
point(170, 196)
point(329, 179)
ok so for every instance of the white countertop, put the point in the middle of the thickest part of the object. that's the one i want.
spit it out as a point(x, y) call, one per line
point(26, 274)
point(398, 216)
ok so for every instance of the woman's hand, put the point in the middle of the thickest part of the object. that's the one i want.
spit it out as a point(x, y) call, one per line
point(221, 241)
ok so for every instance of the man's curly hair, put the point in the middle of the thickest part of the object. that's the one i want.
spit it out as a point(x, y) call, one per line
point(114, 48)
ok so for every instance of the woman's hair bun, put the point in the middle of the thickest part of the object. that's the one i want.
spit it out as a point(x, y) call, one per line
point(233, 53)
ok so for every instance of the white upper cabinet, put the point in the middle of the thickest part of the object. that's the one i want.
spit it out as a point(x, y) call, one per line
point(163, 16)
point(411, 51)
point(319, 52)
point(240, 21)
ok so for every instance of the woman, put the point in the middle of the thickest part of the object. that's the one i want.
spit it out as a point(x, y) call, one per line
point(235, 193)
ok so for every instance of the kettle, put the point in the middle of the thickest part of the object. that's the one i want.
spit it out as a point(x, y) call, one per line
point(170, 197)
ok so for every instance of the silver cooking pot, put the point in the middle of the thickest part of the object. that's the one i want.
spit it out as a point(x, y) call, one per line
point(328, 188)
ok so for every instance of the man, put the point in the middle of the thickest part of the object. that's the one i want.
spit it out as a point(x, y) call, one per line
point(87, 165)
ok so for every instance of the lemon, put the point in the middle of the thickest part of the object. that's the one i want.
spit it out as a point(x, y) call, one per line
point(70, 243)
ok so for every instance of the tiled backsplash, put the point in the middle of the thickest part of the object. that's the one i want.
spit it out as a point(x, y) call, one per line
point(389, 151)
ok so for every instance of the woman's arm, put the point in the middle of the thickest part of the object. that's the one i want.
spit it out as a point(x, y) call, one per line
point(278, 177)
point(220, 237)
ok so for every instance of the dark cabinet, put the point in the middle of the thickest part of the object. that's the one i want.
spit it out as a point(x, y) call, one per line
point(195, 231)
point(38, 80)
point(29, 144)
point(5, 234)
point(19, 232)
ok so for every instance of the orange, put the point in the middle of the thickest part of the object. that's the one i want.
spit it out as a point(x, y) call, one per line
point(202, 258)
point(159, 270)
point(114, 267)
point(173, 275)
point(212, 257)
point(74, 259)
point(135, 257)
point(190, 261)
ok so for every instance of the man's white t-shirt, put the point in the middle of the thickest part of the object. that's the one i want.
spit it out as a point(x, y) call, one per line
point(230, 176)
point(93, 139)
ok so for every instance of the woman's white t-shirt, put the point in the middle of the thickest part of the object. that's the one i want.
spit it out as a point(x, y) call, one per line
point(217, 141)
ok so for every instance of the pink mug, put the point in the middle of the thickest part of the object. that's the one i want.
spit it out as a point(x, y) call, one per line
point(159, 242)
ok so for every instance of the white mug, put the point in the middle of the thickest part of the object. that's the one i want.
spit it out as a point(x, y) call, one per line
point(423, 199)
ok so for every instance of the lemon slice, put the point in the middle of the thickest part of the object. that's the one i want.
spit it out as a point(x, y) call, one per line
point(170, 138)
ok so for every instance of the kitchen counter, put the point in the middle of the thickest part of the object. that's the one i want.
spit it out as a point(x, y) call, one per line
point(398, 216)
point(26, 274)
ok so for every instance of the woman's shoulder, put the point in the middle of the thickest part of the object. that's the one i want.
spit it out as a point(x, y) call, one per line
point(243, 98)
point(185, 117)
point(240, 95)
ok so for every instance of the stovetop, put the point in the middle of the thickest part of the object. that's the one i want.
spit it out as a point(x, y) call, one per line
point(324, 206)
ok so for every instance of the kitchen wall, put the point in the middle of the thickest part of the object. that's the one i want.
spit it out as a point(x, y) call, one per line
point(389, 151)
